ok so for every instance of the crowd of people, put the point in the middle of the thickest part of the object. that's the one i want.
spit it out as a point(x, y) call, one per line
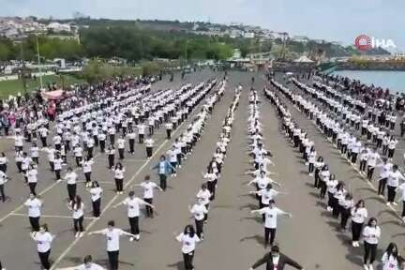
point(340, 201)
point(133, 113)
point(192, 235)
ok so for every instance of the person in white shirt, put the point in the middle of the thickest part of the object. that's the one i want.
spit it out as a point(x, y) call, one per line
point(372, 159)
point(148, 187)
point(133, 203)
point(3, 162)
point(113, 235)
point(44, 240)
point(199, 210)
point(359, 214)
point(96, 192)
point(204, 194)
point(131, 137)
point(169, 128)
point(189, 239)
point(371, 235)
point(270, 224)
point(393, 183)
point(34, 206)
point(34, 152)
point(71, 178)
point(77, 207)
point(32, 178)
point(401, 189)
point(141, 132)
point(87, 168)
point(384, 170)
point(119, 171)
point(121, 147)
point(390, 259)
point(3, 180)
point(149, 142)
point(87, 265)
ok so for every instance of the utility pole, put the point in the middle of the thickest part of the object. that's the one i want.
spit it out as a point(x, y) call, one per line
point(23, 75)
point(39, 62)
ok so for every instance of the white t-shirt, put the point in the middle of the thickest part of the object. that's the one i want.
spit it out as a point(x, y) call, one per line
point(96, 193)
point(43, 240)
point(113, 238)
point(188, 242)
point(271, 216)
point(133, 206)
point(71, 178)
point(267, 195)
point(32, 176)
point(198, 211)
point(371, 235)
point(359, 215)
point(205, 195)
point(389, 262)
point(34, 207)
point(148, 189)
point(149, 142)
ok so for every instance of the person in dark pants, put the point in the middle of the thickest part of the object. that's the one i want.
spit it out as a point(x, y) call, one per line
point(271, 212)
point(189, 239)
point(113, 235)
point(34, 206)
point(164, 169)
point(3, 180)
point(199, 210)
point(148, 194)
point(275, 260)
point(44, 240)
point(96, 191)
point(111, 157)
point(371, 236)
point(359, 214)
point(133, 204)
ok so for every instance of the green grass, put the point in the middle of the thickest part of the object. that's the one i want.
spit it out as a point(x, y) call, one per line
point(13, 87)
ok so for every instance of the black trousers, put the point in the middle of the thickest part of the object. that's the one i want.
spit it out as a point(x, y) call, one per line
point(87, 175)
point(57, 174)
point(356, 231)
point(111, 159)
point(102, 146)
point(169, 134)
point(96, 207)
point(269, 234)
point(121, 153)
point(345, 214)
point(149, 210)
point(119, 184)
point(363, 165)
point(370, 252)
point(134, 225)
point(188, 260)
point(391, 193)
point(370, 172)
point(381, 186)
point(163, 181)
point(113, 257)
point(132, 146)
point(34, 221)
point(199, 225)
point(149, 151)
point(211, 185)
point(141, 136)
point(44, 258)
point(3, 196)
point(78, 224)
point(71, 188)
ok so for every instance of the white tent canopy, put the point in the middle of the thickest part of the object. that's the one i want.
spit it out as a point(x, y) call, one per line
point(303, 59)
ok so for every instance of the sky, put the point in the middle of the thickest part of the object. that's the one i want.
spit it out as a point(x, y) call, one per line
point(340, 21)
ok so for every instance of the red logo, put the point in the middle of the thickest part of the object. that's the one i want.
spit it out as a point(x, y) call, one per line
point(363, 43)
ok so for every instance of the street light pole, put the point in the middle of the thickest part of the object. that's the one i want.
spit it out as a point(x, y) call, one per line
point(39, 62)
